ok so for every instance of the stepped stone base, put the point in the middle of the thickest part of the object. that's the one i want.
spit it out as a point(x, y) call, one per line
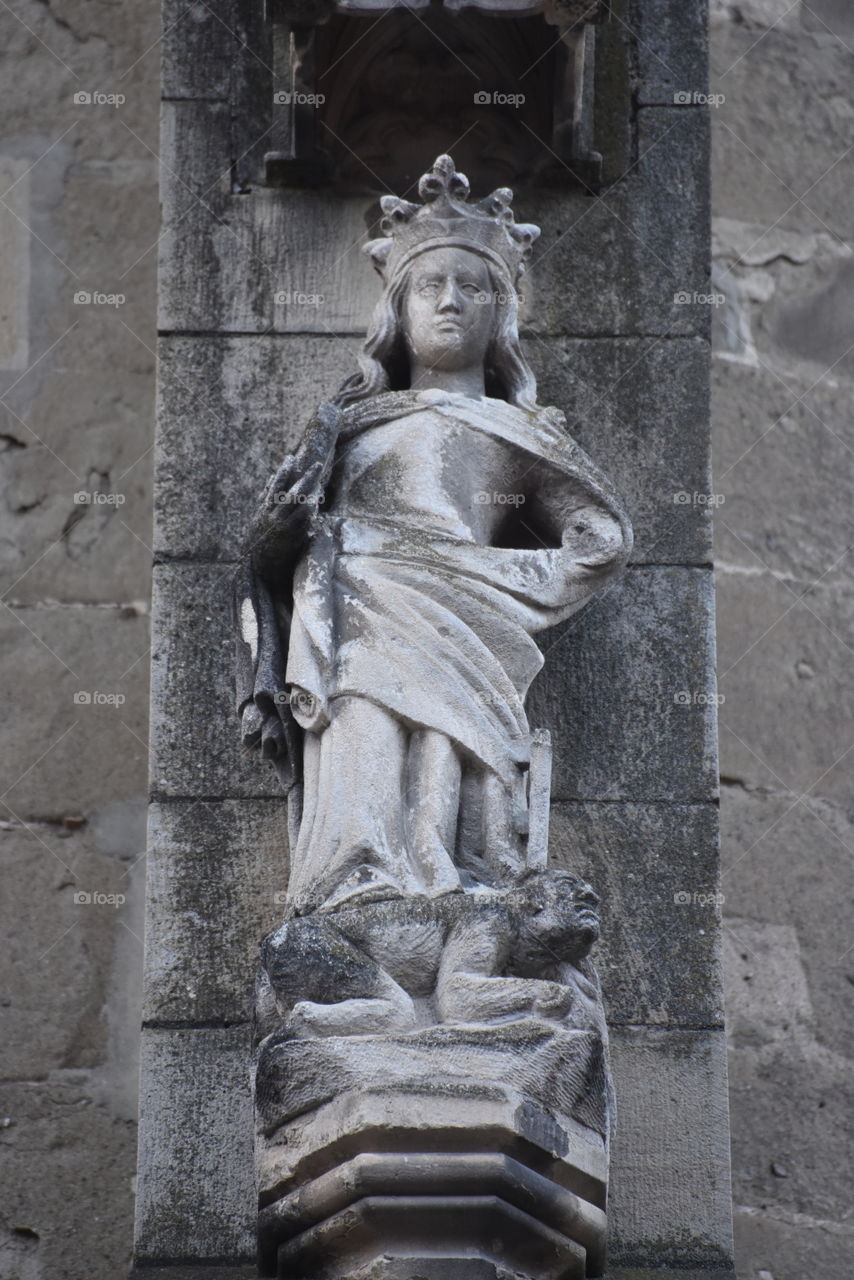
point(423, 1168)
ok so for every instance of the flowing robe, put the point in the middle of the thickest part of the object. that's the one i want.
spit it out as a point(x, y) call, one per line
point(392, 625)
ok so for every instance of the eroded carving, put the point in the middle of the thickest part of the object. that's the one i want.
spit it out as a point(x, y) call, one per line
point(434, 519)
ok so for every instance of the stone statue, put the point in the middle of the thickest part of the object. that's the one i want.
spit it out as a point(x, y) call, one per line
point(432, 977)
point(432, 521)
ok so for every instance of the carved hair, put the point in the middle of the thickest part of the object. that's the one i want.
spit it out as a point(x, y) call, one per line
point(384, 362)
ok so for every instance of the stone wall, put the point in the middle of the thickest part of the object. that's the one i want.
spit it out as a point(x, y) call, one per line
point(78, 417)
point(78, 220)
point(783, 449)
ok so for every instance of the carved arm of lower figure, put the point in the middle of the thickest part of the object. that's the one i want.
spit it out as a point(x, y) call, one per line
point(474, 984)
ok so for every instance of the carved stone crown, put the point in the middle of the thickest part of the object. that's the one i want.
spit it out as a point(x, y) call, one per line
point(447, 219)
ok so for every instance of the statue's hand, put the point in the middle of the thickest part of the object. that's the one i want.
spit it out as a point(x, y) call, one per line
point(553, 1000)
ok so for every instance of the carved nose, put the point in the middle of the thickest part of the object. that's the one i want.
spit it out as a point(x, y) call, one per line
point(449, 299)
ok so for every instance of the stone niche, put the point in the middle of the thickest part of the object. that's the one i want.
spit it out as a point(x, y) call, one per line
point(367, 92)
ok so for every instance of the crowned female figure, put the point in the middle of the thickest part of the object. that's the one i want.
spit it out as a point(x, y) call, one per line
point(433, 519)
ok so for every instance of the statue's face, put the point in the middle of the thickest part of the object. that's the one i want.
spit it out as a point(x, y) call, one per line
point(448, 313)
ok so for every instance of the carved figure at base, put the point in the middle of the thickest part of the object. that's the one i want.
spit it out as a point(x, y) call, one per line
point(483, 958)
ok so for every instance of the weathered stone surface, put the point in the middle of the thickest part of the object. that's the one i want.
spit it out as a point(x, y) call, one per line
point(195, 741)
point(269, 259)
point(655, 869)
point(638, 406)
point(631, 680)
point(669, 1194)
point(205, 1271)
point(217, 871)
point(322, 283)
point(786, 1245)
point(781, 86)
point(779, 659)
point(812, 1144)
point(785, 470)
point(199, 47)
point(196, 1188)
point(670, 41)
point(73, 1217)
point(660, 243)
point(77, 743)
point(68, 904)
point(607, 755)
point(786, 861)
point(230, 409)
point(633, 405)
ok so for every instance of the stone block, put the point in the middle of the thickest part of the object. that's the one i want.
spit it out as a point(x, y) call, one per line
point(628, 692)
point(785, 469)
point(784, 124)
point(217, 871)
point(669, 1193)
point(195, 733)
point(671, 47)
point(655, 868)
point(198, 49)
point(789, 1246)
point(639, 407)
point(306, 274)
point(196, 1190)
point(651, 229)
point(67, 906)
point(230, 409)
point(634, 405)
point(786, 861)
point(780, 649)
point(790, 1103)
point(68, 1166)
point(318, 282)
point(77, 742)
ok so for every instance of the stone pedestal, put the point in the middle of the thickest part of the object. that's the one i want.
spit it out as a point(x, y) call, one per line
point(474, 1153)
